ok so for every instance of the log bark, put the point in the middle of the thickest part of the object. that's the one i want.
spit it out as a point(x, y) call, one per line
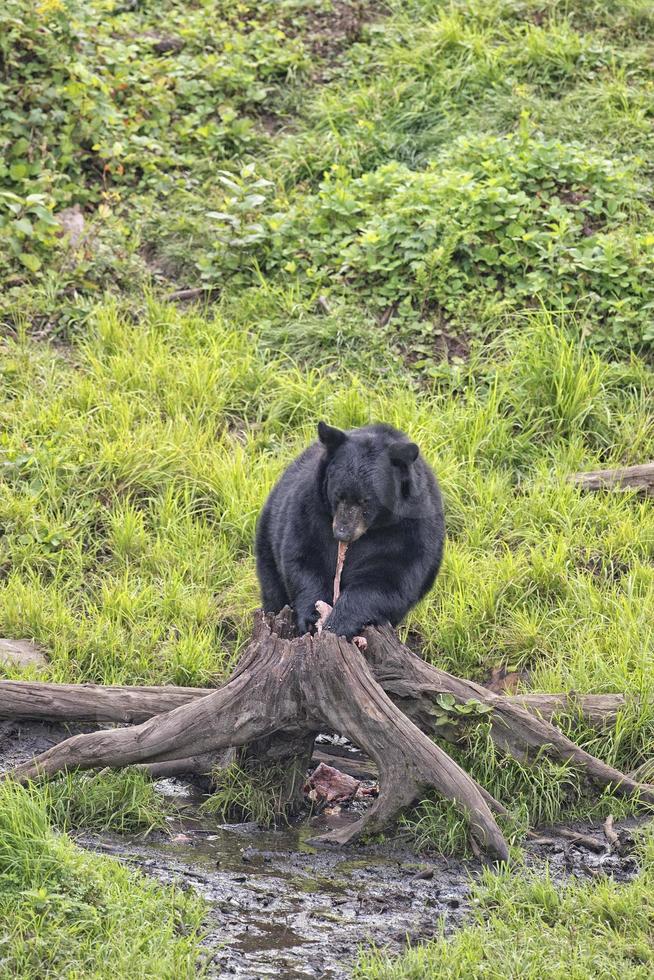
point(640, 478)
point(285, 690)
point(126, 704)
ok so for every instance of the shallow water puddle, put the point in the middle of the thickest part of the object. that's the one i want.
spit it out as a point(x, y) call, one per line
point(279, 907)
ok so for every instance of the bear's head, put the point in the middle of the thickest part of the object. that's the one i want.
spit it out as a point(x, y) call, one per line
point(368, 477)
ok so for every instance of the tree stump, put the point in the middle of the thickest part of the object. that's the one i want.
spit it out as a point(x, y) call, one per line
point(287, 689)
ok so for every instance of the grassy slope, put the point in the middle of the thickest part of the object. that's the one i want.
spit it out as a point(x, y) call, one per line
point(455, 165)
point(136, 457)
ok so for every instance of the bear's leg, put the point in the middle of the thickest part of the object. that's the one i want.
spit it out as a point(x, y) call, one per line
point(366, 605)
point(273, 592)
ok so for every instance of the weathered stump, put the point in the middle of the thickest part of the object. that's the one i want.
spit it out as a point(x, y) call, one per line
point(287, 689)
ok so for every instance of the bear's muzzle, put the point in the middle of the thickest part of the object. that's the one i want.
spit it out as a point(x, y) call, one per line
point(348, 523)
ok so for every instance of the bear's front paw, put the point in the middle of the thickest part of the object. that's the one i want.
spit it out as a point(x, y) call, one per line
point(342, 625)
point(352, 637)
point(306, 620)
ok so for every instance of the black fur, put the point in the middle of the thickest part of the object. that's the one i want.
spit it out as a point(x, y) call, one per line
point(369, 482)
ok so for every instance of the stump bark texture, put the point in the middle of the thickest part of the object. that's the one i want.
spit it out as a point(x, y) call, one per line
point(287, 689)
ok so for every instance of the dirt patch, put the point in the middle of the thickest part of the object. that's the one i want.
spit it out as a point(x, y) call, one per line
point(330, 32)
point(602, 567)
point(280, 906)
point(270, 122)
point(20, 740)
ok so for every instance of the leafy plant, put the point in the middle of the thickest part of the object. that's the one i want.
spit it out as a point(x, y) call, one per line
point(447, 709)
point(511, 220)
point(237, 228)
point(96, 102)
point(28, 229)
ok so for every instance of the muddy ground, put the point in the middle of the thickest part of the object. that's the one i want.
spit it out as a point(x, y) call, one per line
point(282, 907)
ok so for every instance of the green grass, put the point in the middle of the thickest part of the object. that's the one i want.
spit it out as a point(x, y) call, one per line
point(136, 464)
point(122, 800)
point(524, 925)
point(65, 913)
point(250, 792)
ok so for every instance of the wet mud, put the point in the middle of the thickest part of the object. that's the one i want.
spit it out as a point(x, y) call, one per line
point(280, 906)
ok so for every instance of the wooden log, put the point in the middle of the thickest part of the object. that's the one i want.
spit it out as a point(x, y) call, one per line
point(45, 701)
point(285, 690)
point(639, 478)
point(34, 700)
point(597, 710)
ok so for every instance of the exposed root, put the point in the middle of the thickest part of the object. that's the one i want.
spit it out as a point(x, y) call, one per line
point(299, 686)
point(287, 689)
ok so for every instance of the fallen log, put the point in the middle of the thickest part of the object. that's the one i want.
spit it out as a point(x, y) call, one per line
point(287, 689)
point(36, 700)
point(639, 478)
point(131, 704)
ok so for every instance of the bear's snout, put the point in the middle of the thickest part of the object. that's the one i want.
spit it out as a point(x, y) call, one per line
point(348, 523)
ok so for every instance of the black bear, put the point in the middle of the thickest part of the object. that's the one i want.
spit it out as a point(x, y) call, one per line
point(371, 488)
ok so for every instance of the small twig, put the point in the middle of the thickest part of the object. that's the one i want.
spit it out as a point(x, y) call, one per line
point(183, 295)
point(610, 833)
point(359, 641)
point(583, 840)
point(342, 548)
point(387, 314)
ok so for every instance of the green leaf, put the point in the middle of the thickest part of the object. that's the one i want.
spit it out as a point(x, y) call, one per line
point(31, 262)
point(488, 253)
point(18, 170)
point(24, 225)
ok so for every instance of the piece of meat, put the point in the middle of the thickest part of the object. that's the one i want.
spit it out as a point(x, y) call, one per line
point(329, 785)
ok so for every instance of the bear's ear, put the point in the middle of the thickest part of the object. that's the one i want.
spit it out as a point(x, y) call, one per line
point(403, 453)
point(330, 437)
